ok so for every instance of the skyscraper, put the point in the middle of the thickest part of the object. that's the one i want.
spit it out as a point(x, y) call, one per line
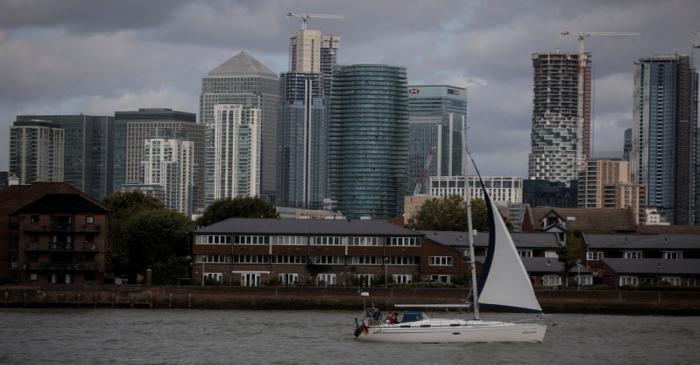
point(437, 115)
point(627, 148)
point(560, 144)
point(237, 151)
point(368, 140)
point(169, 163)
point(88, 150)
point(306, 88)
point(36, 151)
point(244, 81)
point(133, 128)
point(664, 127)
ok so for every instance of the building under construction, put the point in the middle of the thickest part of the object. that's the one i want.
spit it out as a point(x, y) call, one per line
point(560, 144)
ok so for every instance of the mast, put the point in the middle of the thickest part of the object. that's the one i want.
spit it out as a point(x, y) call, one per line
point(470, 235)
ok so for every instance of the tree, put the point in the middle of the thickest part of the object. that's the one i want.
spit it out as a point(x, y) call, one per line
point(570, 254)
point(158, 239)
point(122, 206)
point(248, 207)
point(448, 214)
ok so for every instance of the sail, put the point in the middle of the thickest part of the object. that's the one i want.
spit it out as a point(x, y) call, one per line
point(504, 282)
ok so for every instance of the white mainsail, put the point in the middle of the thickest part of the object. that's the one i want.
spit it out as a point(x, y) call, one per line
point(503, 281)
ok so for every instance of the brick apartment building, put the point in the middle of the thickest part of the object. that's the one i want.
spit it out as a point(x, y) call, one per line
point(51, 233)
point(254, 252)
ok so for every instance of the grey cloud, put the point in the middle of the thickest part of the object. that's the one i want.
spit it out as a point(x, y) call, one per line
point(105, 55)
point(86, 15)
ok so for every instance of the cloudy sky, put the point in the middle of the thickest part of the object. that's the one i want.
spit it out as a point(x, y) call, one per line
point(95, 57)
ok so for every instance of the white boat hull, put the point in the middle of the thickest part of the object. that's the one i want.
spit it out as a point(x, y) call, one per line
point(458, 332)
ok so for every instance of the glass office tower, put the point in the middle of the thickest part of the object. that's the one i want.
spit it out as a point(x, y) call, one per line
point(368, 140)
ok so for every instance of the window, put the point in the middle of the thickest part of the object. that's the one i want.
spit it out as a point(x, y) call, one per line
point(440, 260)
point(628, 281)
point(325, 279)
point(693, 282)
point(213, 240)
point(672, 255)
point(33, 277)
point(34, 218)
point(440, 278)
point(366, 260)
point(214, 259)
point(402, 278)
point(585, 279)
point(366, 241)
point(632, 254)
point(551, 280)
point(551, 254)
point(327, 260)
point(673, 280)
point(525, 253)
point(89, 219)
point(288, 259)
point(404, 241)
point(402, 260)
point(214, 277)
point(288, 278)
point(594, 255)
point(365, 279)
point(251, 259)
point(250, 279)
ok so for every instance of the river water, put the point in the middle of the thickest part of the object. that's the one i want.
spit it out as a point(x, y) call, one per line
point(143, 336)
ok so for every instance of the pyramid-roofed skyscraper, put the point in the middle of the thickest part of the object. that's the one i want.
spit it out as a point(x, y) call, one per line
point(242, 80)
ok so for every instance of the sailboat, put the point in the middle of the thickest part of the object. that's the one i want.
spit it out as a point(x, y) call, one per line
point(503, 285)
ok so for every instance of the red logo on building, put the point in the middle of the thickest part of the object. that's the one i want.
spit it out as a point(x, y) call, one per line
point(413, 91)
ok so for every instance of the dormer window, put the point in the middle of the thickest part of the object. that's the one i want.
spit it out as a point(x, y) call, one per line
point(672, 255)
point(632, 254)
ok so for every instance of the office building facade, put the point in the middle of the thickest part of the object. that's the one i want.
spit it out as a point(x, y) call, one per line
point(133, 128)
point(502, 189)
point(36, 151)
point(169, 162)
point(306, 90)
point(368, 140)
point(561, 118)
point(664, 133)
point(606, 184)
point(237, 149)
point(88, 151)
point(244, 81)
point(437, 117)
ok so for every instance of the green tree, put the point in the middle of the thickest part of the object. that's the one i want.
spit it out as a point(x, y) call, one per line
point(237, 208)
point(570, 254)
point(448, 214)
point(122, 206)
point(158, 239)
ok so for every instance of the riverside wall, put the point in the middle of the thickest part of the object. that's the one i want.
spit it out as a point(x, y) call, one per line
point(194, 297)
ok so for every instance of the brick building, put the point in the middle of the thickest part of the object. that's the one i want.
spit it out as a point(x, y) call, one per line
point(254, 252)
point(644, 259)
point(51, 233)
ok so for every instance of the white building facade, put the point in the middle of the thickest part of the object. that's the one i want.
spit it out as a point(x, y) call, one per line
point(36, 151)
point(170, 164)
point(502, 189)
point(237, 147)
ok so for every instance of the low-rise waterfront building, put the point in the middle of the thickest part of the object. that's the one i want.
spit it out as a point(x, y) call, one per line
point(644, 259)
point(538, 251)
point(254, 252)
point(562, 220)
point(502, 189)
point(51, 233)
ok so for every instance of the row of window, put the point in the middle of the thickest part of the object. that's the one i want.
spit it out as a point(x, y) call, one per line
point(305, 240)
point(634, 254)
point(321, 260)
point(440, 260)
point(629, 280)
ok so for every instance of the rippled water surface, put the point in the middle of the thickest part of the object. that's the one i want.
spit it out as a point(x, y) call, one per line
point(135, 336)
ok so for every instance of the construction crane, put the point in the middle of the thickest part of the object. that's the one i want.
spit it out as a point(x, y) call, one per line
point(581, 73)
point(305, 18)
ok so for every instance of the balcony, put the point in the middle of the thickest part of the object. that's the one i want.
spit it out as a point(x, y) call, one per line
point(62, 266)
point(61, 247)
point(61, 227)
point(87, 228)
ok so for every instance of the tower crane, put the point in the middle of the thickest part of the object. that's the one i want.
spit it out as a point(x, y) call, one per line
point(305, 18)
point(581, 72)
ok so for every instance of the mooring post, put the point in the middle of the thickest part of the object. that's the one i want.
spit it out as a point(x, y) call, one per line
point(189, 300)
point(170, 300)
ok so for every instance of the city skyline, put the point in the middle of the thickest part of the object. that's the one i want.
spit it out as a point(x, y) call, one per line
point(70, 59)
